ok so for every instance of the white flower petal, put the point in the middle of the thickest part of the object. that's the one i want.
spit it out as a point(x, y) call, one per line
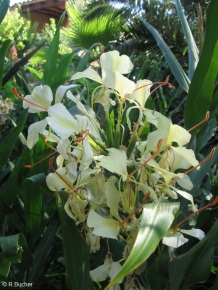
point(107, 228)
point(114, 62)
point(114, 269)
point(116, 162)
point(152, 116)
point(141, 92)
point(100, 273)
point(197, 233)
point(183, 158)
point(42, 96)
point(33, 132)
point(61, 90)
point(178, 135)
point(123, 85)
point(63, 148)
point(174, 239)
point(55, 183)
point(87, 156)
point(185, 195)
point(185, 182)
point(61, 121)
point(112, 196)
point(89, 73)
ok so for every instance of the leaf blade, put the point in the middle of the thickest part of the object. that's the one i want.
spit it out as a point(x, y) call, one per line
point(174, 65)
point(155, 221)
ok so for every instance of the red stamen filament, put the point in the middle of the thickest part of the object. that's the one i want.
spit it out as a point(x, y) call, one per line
point(30, 166)
point(136, 210)
point(151, 157)
point(213, 203)
point(28, 101)
point(202, 122)
point(61, 177)
point(80, 139)
point(55, 150)
point(156, 83)
point(195, 167)
point(46, 143)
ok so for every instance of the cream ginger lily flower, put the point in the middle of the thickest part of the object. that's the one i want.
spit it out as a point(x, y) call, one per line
point(104, 227)
point(41, 98)
point(116, 162)
point(113, 66)
point(40, 101)
point(175, 137)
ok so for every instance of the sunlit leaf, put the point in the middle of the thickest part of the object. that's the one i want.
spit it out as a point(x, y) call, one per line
point(155, 221)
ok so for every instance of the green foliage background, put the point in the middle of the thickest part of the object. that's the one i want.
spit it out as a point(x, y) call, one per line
point(39, 243)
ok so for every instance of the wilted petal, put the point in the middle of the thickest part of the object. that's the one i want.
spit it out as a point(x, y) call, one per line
point(42, 96)
point(116, 162)
point(33, 132)
point(89, 73)
point(107, 228)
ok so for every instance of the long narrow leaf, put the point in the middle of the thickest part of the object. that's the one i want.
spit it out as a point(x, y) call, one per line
point(7, 144)
point(76, 253)
point(61, 72)
point(14, 250)
point(173, 63)
point(20, 63)
point(193, 266)
point(52, 55)
point(202, 86)
point(192, 47)
point(155, 221)
point(43, 249)
point(3, 50)
point(4, 4)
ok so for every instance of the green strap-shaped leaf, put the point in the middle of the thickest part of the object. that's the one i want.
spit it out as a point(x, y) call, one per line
point(7, 144)
point(173, 63)
point(202, 85)
point(76, 252)
point(19, 64)
point(4, 4)
point(3, 51)
point(85, 59)
point(192, 47)
point(61, 72)
point(52, 55)
point(193, 266)
point(43, 249)
point(14, 250)
point(156, 219)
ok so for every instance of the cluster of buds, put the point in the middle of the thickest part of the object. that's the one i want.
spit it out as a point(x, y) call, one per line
point(5, 106)
point(112, 165)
